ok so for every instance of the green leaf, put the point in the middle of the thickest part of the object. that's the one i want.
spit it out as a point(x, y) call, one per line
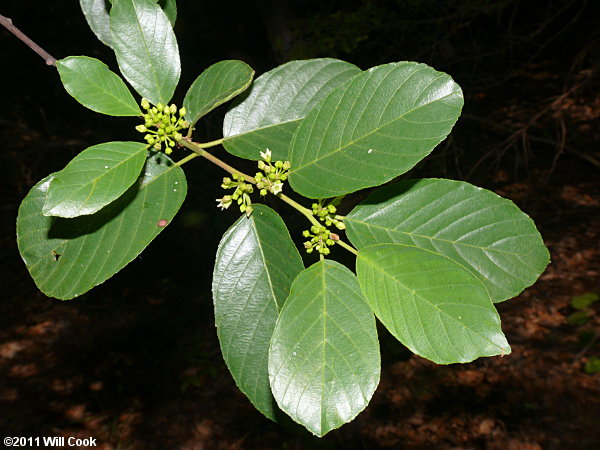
point(592, 366)
point(373, 128)
point(324, 359)
point(478, 229)
point(94, 178)
point(97, 16)
point(96, 87)
point(584, 300)
point(433, 305)
point(256, 264)
point(170, 9)
point(146, 48)
point(216, 85)
point(267, 115)
point(68, 257)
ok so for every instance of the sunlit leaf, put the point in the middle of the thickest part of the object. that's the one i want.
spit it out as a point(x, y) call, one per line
point(97, 16)
point(324, 359)
point(216, 85)
point(96, 87)
point(94, 178)
point(433, 305)
point(484, 232)
point(373, 128)
point(68, 257)
point(146, 48)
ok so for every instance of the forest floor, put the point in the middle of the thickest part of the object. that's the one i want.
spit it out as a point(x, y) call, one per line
point(136, 363)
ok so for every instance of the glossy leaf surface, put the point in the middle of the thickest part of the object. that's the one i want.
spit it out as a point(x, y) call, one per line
point(372, 129)
point(480, 230)
point(433, 305)
point(97, 16)
point(96, 87)
point(324, 359)
point(267, 115)
point(256, 264)
point(146, 48)
point(94, 178)
point(68, 257)
point(216, 85)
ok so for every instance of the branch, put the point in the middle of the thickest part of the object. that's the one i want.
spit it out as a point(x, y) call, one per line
point(7, 23)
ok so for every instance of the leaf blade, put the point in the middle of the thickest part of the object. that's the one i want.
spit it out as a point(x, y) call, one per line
point(218, 84)
point(68, 257)
point(480, 230)
point(146, 48)
point(267, 115)
point(94, 178)
point(97, 17)
point(373, 128)
point(434, 306)
point(324, 361)
point(95, 86)
point(251, 281)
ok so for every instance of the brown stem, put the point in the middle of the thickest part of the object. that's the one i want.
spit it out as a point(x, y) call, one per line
point(8, 24)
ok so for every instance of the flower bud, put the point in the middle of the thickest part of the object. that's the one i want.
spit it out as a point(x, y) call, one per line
point(173, 108)
point(141, 128)
point(145, 104)
point(182, 112)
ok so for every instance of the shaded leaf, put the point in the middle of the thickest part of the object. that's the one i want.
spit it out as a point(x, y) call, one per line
point(256, 264)
point(96, 87)
point(324, 359)
point(480, 230)
point(170, 9)
point(97, 16)
point(433, 305)
point(94, 178)
point(372, 129)
point(216, 85)
point(269, 112)
point(68, 257)
point(146, 48)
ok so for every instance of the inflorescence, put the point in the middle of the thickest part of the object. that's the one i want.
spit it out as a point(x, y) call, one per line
point(167, 124)
point(273, 174)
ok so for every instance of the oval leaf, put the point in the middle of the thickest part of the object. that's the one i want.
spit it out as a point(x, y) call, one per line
point(68, 257)
point(216, 85)
point(146, 48)
point(372, 129)
point(94, 178)
point(324, 359)
point(433, 305)
point(267, 115)
point(480, 230)
point(97, 16)
point(256, 264)
point(96, 87)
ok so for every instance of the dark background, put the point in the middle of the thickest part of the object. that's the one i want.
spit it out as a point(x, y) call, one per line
point(135, 362)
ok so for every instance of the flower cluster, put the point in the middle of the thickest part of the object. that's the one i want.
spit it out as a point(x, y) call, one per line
point(273, 174)
point(324, 214)
point(321, 239)
point(164, 119)
point(241, 195)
